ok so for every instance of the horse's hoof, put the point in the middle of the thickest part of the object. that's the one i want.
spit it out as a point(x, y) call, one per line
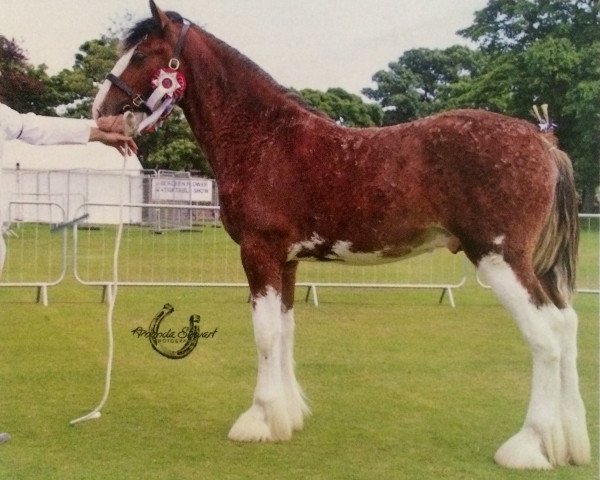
point(250, 428)
point(253, 426)
point(579, 449)
point(523, 451)
point(578, 441)
point(297, 409)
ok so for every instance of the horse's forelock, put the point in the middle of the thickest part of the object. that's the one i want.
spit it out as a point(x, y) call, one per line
point(145, 27)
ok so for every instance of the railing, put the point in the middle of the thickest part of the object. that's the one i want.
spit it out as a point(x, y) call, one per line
point(36, 253)
point(588, 276)
point(200, 254)
point(197, 252)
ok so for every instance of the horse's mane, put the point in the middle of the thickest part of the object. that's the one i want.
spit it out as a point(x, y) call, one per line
point(150, 26)
point(145, 27)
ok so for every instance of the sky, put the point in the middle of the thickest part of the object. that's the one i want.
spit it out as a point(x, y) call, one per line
point(301, 43)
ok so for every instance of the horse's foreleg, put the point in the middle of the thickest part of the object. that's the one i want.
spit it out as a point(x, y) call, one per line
point(268, 418)
point(296, 403)
point(540, 444)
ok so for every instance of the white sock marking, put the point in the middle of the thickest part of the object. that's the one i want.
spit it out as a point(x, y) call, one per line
point(541, 442)
point(268, 418)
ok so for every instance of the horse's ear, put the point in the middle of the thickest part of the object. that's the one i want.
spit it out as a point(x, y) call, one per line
point(160, 16)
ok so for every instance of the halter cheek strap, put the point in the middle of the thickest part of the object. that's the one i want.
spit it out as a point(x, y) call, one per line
point(136, 99)
point(165, 95)
point(179, 45)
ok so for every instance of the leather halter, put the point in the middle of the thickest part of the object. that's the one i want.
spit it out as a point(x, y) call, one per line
point(136, 98)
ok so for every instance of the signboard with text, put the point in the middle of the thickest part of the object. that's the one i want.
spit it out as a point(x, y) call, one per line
point(182, 189)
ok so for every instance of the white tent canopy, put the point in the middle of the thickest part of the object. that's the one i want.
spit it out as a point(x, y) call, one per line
point(68, 175)
point(90, 156)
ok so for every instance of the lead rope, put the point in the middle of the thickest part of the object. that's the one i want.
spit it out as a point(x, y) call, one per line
point(95, 413)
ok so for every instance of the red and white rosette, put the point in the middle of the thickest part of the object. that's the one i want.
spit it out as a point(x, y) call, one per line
point(169, 86)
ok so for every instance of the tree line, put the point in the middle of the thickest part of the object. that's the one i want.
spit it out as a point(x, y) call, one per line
point(523, 52)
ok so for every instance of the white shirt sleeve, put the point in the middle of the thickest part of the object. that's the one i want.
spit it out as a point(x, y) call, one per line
point(41, 130)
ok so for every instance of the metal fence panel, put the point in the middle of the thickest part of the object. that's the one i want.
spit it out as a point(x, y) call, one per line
point(588, 275)
point(200, 253)
point(36, 253)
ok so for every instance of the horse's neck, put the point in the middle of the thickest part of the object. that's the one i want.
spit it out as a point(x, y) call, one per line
point(230, 99)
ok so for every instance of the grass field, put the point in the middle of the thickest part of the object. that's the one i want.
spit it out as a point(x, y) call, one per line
point(400, 387)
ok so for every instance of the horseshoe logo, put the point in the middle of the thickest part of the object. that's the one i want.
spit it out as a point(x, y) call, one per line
point(160, 340)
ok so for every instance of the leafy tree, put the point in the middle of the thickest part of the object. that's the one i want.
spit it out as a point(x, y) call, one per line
point(78, 86)
point(172, 147)
point(514, 25)
point(512, 82)
point(529, 52)
point(22, 86)
point(344, 107)
point(543, 51)
point(414, 85)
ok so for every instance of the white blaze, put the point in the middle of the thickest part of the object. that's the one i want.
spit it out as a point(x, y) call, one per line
point(117, 71)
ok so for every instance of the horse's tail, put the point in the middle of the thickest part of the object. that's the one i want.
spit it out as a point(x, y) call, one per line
point(555, 258)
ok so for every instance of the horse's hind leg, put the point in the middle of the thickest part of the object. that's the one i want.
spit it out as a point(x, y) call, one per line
point(572, 408)
point(540, 444)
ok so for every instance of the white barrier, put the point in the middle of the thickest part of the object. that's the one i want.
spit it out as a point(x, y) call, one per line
point(588, 277)
point(202, 255)
point(36, 254)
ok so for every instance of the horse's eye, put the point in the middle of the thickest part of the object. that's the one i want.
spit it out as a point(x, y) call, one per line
point(138, 58)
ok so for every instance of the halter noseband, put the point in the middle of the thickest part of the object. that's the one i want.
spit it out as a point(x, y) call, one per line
point(169, 86)
point(136, 98)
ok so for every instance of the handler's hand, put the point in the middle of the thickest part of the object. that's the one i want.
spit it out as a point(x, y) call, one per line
point(111, 131)
point(113, 139)
point(113, 123)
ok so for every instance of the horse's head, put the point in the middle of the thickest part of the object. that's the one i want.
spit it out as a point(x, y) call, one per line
point(146, 80)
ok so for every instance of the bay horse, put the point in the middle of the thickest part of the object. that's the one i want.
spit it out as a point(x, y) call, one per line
point(294, 185)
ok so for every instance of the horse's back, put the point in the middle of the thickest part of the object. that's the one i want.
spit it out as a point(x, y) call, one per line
point(476, 175)
point(462, 162)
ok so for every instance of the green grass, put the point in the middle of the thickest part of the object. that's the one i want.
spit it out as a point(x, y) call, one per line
point(400, 387)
